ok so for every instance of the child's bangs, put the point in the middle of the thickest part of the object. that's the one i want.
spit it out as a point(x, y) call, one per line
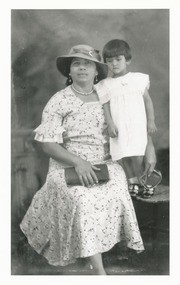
point(113, 53)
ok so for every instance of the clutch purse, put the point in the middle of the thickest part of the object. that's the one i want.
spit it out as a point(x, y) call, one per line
point(151, 181)
point(72, 178)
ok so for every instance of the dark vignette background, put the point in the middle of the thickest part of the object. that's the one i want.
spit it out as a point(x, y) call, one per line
point(38, 37)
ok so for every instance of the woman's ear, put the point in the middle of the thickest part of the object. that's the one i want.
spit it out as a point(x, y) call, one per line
point(96, 78)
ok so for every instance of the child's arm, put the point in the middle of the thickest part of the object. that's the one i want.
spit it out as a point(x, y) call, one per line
point(149, 157)
point(112, 129)
point(151, 127)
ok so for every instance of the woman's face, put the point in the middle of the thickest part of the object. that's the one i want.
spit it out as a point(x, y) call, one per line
point(83, 70)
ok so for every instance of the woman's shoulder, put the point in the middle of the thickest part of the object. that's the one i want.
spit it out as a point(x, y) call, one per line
point(59, 99)
point(61, 95)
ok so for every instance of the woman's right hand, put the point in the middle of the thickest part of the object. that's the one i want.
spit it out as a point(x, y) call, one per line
point(84, 170)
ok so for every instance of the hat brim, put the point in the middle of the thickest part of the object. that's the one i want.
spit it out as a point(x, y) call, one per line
point(63, 65)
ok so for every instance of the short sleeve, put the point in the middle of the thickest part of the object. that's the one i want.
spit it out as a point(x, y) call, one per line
point(144, 82)
point(103, 92)
point(51, 127)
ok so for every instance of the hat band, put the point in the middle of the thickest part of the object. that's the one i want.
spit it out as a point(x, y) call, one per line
point(91, 53)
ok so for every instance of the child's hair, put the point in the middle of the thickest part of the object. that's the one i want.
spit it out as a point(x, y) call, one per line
point(115, 48)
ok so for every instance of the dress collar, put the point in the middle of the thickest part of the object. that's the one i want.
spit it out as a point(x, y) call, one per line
point(68, 89)
point(124, 79)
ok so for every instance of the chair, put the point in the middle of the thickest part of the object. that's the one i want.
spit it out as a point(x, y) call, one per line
point(161, 196)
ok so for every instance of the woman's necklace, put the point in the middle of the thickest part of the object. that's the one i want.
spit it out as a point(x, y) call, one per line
point(82, 93)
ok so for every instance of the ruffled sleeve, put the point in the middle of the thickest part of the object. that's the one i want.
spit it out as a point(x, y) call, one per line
point(103, 91)
point(51, 128)
point(144, 82)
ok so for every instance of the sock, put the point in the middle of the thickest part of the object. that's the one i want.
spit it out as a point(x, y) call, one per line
point(133, 180)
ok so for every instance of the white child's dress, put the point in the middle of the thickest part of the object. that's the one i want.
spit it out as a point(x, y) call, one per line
point(125, 94)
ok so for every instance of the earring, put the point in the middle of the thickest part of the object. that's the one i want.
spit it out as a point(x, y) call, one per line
point(96, 79)
point(69, 80)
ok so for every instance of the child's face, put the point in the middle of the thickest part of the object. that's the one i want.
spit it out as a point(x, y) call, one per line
point(117, 64)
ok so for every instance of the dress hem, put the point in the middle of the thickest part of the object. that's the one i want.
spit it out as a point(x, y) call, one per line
point(118, 156)
point(73, 260)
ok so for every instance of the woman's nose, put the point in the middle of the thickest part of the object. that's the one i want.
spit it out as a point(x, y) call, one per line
point(82, 66)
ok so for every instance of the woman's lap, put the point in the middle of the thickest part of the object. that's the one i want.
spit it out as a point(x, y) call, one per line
point(81, 221)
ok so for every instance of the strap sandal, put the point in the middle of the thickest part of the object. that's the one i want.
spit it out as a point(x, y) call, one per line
point(133, 189)
point(147, 192)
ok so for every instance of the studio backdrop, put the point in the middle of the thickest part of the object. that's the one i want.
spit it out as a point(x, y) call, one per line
point(38, 37)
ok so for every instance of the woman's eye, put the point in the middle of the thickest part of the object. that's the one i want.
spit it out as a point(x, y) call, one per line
point(75, 63)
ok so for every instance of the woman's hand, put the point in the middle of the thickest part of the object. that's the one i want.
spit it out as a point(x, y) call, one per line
point(83, 168)
point(85, 172)
point(150, 157)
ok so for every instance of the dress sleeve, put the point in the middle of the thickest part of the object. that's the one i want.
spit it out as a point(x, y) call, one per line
point(51, 127)
point(103, 92)
point(145, 82)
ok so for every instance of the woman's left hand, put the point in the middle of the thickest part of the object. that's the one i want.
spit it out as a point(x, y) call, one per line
point(85, 172)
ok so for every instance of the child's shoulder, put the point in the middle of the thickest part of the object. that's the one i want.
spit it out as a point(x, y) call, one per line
point(139, 75)
point(140, 80)
point(103, 83)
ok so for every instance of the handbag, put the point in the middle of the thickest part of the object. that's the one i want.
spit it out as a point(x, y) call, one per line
point(151, 181)
point(72, 178)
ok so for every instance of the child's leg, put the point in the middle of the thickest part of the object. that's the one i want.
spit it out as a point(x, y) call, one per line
point(137, 165)
point(133, 169)
point(133, 182)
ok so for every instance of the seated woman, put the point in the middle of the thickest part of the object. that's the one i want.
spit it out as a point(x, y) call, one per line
point(64, 222)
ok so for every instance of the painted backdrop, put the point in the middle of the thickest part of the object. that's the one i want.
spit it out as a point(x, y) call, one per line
point(39, 36)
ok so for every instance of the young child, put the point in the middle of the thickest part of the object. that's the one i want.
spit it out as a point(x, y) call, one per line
point(129, 112)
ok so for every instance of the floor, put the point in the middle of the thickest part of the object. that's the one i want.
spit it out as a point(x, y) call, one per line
point(118, 261)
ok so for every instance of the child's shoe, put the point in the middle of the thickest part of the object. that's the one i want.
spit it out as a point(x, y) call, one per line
point(133, 190)
point(147, 192)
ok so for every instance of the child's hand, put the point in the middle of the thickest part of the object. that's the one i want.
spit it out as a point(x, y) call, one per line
point(151, 127)
point(65, 136)
point(112, 130)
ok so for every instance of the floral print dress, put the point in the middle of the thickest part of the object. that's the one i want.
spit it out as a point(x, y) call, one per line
point(65, 223)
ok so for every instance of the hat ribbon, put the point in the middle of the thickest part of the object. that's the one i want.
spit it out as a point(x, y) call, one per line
point(92, 53)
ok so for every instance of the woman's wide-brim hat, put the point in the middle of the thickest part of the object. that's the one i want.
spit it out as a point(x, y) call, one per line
point(82, 51)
